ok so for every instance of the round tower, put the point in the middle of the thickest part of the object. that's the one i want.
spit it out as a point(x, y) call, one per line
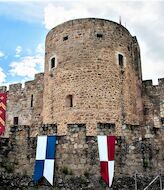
point(92, 75)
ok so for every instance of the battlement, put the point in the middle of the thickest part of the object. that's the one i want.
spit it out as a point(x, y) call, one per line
point(161, 82)
point(15, 87)
point(149, 83)
point(97, 89)
point(19, 87)
point(79, 153)
point(3, 88)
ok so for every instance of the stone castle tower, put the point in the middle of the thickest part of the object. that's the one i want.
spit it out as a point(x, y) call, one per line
point(92, 75)
point(92, 85)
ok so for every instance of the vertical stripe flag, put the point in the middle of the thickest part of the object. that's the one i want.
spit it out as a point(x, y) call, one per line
point(3, 99)
point(45, 157)
point(106, 147)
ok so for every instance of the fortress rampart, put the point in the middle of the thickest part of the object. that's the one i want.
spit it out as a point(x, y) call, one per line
point(92, 85)
point(153, 96)
point(24, 105)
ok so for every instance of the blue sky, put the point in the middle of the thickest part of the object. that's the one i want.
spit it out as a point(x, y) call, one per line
point(21, 40)
point(18, 39)
point(24, 25)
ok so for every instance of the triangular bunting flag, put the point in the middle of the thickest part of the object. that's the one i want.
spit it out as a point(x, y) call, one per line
point(106, 147)
point(45, 156)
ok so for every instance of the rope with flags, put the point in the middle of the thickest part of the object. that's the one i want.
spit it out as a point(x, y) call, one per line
point(3, 99)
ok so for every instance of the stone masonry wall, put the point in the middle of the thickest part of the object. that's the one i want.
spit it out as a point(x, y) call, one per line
point(77, 154)
point(107, 99)
point(153, 97)
point(87, 68)
point(19, 104)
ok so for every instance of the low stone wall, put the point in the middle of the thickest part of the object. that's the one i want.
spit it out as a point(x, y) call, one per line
point(70, 182)
point(77, 157)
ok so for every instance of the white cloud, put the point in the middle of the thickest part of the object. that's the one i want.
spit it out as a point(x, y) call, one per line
point(152, 66)
point(40, 48)
point(2, 54)
point(54, 15)
point(27, 66)
point(2, 76)
point(18, 51)
point(142, 18)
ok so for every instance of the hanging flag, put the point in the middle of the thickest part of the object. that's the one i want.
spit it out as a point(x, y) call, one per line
point(3, 99)
point(45, 157)
point(106, 147)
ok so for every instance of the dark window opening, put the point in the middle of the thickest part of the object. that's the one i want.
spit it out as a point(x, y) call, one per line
point(53, 62)
point(162, 120)
point(65, 38)
point(32, 99)
point(99, 35)
point(69, 101)
point(15, 122)
point(146, 111)
point(120, 60)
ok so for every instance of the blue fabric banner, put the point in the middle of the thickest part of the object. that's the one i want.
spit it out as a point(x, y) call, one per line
point(51, 145)
point(38, 170)
point(45, 156)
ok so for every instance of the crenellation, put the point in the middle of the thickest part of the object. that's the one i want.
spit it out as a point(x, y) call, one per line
point(15, 87)
point(95, 88)
point(3, 89)
point(147, 83)
point(39, 76)
point(161, 82)
point(29, 84)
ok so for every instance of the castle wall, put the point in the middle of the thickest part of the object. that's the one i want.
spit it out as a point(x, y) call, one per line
point(19, 103)
point(153, 97)
point(87, 67)
point(87, 93)
point(77, 154)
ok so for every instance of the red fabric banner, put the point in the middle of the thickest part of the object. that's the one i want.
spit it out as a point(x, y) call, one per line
point(3, 100)
point(106, 146)
point(104, 171)
point(111, 147)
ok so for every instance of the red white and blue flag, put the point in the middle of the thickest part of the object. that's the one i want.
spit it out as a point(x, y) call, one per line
point(106, 147)
point(45, 158)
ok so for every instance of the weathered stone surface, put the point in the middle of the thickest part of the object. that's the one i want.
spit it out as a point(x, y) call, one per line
point(107, 99)
point(102, 91)
point(68, 182)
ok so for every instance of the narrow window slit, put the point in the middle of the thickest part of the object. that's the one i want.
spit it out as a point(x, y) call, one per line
point(65, 38)
point(32, 99)
point(69, 101)
point(99, 35)
point(15, 121)
point(53, 62)
point(121, 60)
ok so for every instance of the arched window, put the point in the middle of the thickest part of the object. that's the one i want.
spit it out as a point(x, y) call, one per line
point(69, 101)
